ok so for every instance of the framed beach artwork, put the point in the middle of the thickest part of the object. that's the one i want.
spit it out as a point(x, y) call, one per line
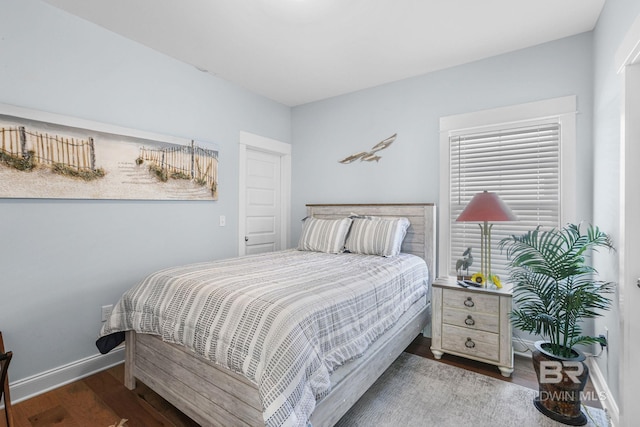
point(44, 155)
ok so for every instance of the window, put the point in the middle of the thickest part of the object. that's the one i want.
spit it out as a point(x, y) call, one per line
point(522, 153)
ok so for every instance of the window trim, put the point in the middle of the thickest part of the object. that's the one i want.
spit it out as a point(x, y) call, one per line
point(562, 109)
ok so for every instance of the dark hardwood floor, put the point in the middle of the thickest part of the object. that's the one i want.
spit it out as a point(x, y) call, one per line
point(102, 400)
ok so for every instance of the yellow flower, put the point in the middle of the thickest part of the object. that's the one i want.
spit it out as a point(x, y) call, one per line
point(496, 281)
point(478, 278)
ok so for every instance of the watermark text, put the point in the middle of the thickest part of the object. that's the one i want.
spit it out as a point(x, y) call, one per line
point(566, 395)
point(552, 372)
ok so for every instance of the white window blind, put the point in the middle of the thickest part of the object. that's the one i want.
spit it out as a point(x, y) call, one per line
point(521, 165)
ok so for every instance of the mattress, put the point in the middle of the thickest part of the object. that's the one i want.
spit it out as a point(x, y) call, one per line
point(284, 320)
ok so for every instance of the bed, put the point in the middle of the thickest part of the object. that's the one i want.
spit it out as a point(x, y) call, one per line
point(229, 389)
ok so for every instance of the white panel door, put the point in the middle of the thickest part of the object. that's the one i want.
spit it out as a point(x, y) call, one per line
point(628, 65)
point(630, 250)
point(263, 163)
point(263, 202)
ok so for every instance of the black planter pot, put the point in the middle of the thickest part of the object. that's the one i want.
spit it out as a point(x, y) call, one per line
point(561, 381)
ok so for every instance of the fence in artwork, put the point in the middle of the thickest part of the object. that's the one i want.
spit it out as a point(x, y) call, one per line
point(46, 149)
point(191, 162)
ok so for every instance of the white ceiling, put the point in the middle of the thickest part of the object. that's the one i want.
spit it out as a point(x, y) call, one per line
point(298, 51)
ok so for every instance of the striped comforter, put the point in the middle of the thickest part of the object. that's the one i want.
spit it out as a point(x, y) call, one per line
point(285, 320)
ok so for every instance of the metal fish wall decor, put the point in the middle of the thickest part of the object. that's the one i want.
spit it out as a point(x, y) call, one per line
point(370, 156)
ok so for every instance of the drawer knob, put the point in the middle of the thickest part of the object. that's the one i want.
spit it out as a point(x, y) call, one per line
point(469, 321)
point(469, 302)
point(469, 343)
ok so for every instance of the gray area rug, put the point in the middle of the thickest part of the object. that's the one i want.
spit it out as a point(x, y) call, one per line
point(415, 391)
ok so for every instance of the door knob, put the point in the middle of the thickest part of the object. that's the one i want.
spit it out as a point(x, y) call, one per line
point(246, 239)
point(638, 282)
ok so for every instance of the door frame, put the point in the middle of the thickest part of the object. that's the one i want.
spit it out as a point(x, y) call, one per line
point(250, 141)
point(628, 66)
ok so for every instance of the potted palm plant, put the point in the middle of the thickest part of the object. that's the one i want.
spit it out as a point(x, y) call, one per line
point(554, 290)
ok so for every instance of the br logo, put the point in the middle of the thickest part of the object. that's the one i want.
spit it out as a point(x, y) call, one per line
point(551, 371)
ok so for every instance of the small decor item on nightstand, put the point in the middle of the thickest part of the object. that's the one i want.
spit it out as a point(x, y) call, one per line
point(479, 279)
point(463, 264)
point(554, 290)
point(485, 207)
point(495, 279)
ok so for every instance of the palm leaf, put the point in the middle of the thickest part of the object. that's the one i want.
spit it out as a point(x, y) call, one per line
point(554, 286)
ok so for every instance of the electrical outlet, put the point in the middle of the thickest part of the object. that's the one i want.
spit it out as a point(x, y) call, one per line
point(605, 337)
point(105, 312)
point(223, 220)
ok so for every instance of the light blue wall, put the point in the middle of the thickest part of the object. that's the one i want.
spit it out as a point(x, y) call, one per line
point(329, 130)
point(61, 260)
point(614, 23)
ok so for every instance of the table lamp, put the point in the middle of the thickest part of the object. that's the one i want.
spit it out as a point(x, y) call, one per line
point(483, 208)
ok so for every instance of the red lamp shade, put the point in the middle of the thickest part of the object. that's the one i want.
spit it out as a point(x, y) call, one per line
point(486, 206)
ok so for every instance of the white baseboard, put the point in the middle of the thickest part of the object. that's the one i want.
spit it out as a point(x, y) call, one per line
point(602, 390)
point(522, 347)
point(57, 377)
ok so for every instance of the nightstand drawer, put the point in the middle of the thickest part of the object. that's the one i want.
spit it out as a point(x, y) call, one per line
point(480, 344)
point(471, 301)
point(471, 320)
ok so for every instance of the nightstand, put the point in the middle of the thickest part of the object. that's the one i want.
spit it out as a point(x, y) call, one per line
point(472, 323)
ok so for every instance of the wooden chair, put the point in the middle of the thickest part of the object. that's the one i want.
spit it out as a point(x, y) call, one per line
point(5, 359)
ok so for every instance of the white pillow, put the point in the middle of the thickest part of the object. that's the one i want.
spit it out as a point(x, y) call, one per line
point(377, 236)
point(324, 235)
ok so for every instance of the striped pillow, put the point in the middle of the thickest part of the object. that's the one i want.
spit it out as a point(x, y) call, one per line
point(324, 235)
point(377, 236)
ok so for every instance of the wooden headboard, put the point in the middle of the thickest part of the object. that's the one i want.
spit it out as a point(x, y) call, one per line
point(421, 235)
